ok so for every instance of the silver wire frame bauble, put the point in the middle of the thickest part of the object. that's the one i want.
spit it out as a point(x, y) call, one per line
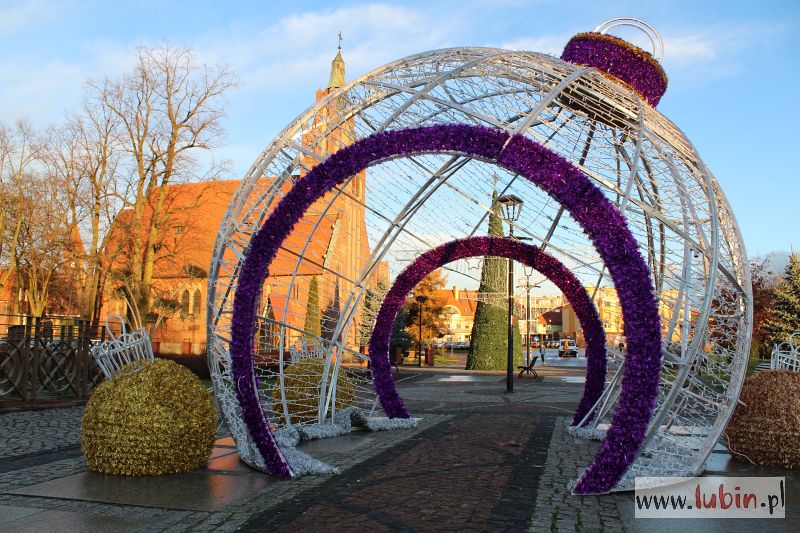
point(644, 164)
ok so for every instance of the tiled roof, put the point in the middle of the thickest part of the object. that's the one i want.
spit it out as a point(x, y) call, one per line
point(189, 235)
point(278, 304)
point(551, 317)
point(465, 303)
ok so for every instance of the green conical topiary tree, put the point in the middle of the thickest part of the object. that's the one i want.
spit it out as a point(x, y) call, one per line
point(785, 312)
point(313, 325)
point(488, 348)
point(369, 310)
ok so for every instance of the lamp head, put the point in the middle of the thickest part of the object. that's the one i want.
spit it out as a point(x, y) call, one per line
point(512, 206)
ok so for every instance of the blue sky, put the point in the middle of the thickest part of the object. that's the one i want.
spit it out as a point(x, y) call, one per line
point(732, 68)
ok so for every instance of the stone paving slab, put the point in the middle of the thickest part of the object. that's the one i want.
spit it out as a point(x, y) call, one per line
point(10, 464)
point(452, 394)
point(556, 509)
point(58, 521)
point(220, 451)
point(462, 378)
point(9, 513)
point(204, 490)
point(479, 460)
point(151, 519)
point(218, 498)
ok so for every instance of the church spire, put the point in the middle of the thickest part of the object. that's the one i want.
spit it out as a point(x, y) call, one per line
point(336, 78)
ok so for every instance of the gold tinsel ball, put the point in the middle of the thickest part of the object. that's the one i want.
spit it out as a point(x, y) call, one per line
point(765, 427)
point(302, 381)
point(151, 418)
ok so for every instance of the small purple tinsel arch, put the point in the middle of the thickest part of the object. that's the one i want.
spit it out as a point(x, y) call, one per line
point(560, 179)
point(531, 256)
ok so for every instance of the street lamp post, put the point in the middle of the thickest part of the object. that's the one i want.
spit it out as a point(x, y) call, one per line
point(512, 207)
point(421, 299)
point(528, 328)
point(528, 286)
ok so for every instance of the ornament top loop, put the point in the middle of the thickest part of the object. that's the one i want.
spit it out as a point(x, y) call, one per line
point(639, 24)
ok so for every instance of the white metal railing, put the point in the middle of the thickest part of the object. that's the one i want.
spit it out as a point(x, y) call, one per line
point(118, 351)
point(786, 355)
point(308, 349)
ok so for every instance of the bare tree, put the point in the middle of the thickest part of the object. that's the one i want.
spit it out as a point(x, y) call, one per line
point(84, 155)
point(18, 152)
point(46, 242)
point(168, 110)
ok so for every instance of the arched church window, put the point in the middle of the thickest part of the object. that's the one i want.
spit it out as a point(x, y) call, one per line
point(198, 302)
point(185, 303)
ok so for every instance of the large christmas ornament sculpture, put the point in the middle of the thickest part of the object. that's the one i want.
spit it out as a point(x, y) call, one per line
point(406, 159)
point(152, 417)
point(766, 424)
point(302, 383)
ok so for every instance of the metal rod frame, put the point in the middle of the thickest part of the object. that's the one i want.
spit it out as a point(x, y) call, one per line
point(672, 202)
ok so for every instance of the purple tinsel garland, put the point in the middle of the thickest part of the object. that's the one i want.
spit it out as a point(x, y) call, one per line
point(560, 179)
point(620, 59)
point(531, 256)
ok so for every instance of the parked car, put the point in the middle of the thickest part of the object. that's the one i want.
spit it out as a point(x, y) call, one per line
point(567, 348)
point(455, 345)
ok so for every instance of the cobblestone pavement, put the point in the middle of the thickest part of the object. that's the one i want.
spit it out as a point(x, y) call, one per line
point(475, 471)
point(557, 510)
point(26, 432)
point(480, 460)
point(71, 512)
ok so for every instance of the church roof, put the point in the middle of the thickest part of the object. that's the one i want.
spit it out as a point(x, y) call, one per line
point(278, 303)
point(336, 79)
point(196, 212)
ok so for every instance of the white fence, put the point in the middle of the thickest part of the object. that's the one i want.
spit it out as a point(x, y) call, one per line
point(786, 355)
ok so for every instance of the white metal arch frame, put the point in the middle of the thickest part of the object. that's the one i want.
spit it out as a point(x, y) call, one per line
point(672, 203)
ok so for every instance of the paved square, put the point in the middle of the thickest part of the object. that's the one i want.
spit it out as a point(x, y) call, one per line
point(480, 459)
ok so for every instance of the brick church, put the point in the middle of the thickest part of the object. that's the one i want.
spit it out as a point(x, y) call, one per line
point(338, 246)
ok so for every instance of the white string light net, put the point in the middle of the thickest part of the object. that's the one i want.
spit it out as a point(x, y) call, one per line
point(643, 163)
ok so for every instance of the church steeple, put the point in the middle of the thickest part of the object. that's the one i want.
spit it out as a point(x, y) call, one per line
point(336, 78)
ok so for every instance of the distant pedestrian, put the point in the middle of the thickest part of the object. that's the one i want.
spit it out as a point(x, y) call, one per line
point(541, 351)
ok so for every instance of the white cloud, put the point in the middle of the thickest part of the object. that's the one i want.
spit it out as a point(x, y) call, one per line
point(715, 51)
point(706, 46)
point(294, 53)
point(27, 86)
point(552, 44)
point(42, 90)
point(22, 16)
point(299, 48)
point(693, 57)
point(715, 46)
point(284, 61)
point(687, 49)
point(287, 60)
